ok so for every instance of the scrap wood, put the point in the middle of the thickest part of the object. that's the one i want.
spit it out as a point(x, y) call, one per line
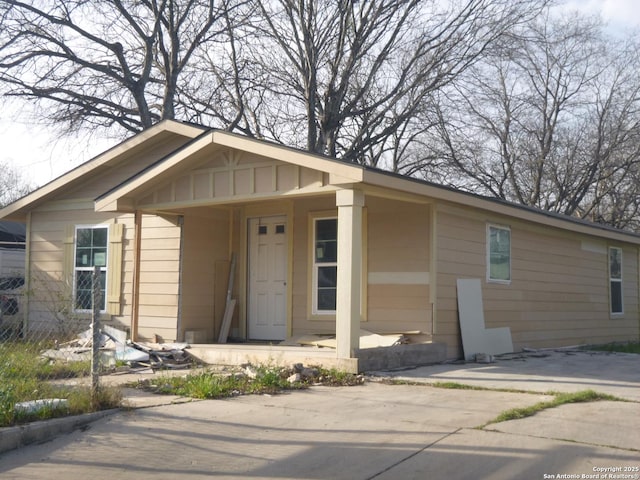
point(68, 354)
point(476, 338)
point(165, 355)
point(230, 304)
point(118, 336)
point(308, 339)
point(159, 347)
point(111, 338)
point(372, 340)
point(367, 340)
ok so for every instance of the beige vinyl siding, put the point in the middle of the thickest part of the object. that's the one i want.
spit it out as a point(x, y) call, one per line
point(398, 246)
point(204, 270)
point(399, 261)
point(51, 233)
point(558, 294)
point(159, 278)
point(301, 289)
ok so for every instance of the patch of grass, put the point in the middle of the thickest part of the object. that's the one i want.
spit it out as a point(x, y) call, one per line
point(629, 347)
point(457, 386)
point(207, 385)
point(264, 379)
point(445, 385)
point(25, 376)
point(559, 399)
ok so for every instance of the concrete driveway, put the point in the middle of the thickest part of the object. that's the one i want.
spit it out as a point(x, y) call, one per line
point(373, 431)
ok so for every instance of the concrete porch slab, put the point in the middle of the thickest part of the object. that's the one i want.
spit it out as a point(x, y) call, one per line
point(237, 354)
point(367, 359)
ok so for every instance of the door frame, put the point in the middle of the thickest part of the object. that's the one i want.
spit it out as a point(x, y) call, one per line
point(270, 325)
point(271, 209)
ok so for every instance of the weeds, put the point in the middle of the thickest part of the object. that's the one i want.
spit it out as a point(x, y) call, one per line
point(630, 347)
point(267, 379)
point(559, 399)
point(25, 376)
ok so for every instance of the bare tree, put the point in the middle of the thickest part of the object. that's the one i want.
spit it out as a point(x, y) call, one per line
point(13, 185)
point(99, 63)
point(548, 121)
point(344, 78)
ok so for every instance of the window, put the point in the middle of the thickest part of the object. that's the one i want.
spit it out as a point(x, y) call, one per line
point(91, 244)
point(325, 265)
point(615, 279)
point(499, 254)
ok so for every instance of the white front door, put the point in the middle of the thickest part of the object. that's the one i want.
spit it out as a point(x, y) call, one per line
point(267, 312)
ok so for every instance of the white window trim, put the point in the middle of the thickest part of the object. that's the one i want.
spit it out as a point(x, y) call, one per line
point(325, 315)
point(488, 254)
point(315, 265)
point(617, 280)
point(90, 269)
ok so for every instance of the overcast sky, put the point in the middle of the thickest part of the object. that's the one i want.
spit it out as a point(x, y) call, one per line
point(42, 157)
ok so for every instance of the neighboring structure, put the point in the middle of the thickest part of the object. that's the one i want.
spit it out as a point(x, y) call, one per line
point(12, 249)
point(322, 246)
point(12, 266)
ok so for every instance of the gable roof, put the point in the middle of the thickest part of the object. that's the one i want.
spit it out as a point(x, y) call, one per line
point(153, 135)
point(349, 173)
point(112, 200)
point(198, 138)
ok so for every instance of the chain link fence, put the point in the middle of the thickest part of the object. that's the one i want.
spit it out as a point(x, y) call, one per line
point(50, 360)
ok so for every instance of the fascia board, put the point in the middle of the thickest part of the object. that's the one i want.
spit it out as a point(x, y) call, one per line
point(19, 208)
point(111, 201)
point(470, 200)
point(343, 170)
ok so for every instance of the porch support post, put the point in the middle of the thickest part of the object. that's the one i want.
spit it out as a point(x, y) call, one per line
point(349, 203)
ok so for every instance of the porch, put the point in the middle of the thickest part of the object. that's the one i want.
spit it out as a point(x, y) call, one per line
point(365, 360)
point(278, 213)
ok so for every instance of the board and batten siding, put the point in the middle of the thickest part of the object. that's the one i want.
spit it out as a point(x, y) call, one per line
point(50, 234)
point(559, 291)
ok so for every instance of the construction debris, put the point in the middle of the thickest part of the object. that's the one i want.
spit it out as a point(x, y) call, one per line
point(476, 338)
point(35, 406)
point(165, 355)
point(114, 347)
point(367, 339)
point(484, 358)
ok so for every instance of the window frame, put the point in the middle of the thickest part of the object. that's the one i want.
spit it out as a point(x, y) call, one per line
point(489, 278)
point(104, 268)
point(310, 287)
point(613, 280)
point(315, 266)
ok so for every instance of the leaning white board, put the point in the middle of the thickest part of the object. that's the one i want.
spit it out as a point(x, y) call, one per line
point(475, 337)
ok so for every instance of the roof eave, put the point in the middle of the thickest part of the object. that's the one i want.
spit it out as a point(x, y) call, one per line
point(18, 210)
point(442, 193)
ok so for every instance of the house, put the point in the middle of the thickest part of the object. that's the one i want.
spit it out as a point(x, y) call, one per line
point(320, 246)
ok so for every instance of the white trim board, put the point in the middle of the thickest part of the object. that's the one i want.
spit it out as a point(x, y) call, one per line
point(475, 337)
